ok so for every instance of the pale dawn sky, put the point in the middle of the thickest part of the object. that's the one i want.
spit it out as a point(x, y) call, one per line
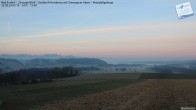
point(128, 30)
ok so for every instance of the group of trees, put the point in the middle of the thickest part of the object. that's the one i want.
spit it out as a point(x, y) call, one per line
point(36, 75)
point(172, 69)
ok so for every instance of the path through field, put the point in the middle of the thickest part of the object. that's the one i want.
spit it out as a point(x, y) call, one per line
point(148, 95)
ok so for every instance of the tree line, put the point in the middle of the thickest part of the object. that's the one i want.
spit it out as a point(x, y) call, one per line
point(173, 69)
point(34, 75)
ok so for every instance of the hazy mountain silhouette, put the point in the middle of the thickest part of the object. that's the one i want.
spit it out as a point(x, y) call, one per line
point(28, 56)
point(7, 65)
point(65, 62)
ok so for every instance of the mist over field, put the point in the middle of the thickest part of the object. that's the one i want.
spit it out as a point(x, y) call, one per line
point(93, 65)
point(97, 55)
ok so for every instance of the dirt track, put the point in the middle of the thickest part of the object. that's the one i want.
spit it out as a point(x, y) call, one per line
point(149, 95)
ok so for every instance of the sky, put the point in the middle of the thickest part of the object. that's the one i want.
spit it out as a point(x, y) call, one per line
point(128, 30)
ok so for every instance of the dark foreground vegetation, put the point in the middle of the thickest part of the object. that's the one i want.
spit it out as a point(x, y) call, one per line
point(23, 97)
point(166, 76)
point(117, 91)
point(164, 94)
point(35, 75)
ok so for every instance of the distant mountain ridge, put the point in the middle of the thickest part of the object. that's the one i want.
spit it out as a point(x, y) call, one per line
point(7, 65)
point(15, 62)
point(28, 56)
point(66, 62)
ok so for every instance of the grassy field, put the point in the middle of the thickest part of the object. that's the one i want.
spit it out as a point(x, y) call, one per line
point(166, 76)
point(23, 97)
point(154, 94)
point(116, 91)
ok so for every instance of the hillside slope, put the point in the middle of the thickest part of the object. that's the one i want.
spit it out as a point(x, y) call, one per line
point(7, 65)
point(65, 62)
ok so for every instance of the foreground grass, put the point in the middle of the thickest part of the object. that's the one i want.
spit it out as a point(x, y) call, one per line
point(156, 94)
point(25, 97)
point(166, 76)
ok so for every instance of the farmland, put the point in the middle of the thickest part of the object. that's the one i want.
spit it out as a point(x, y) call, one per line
point(22, 97)
point(159, 94)
point(118, 91)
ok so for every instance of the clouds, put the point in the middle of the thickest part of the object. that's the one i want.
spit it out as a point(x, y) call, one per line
point(104, 30)
point(158, 40)
point(127, 29)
